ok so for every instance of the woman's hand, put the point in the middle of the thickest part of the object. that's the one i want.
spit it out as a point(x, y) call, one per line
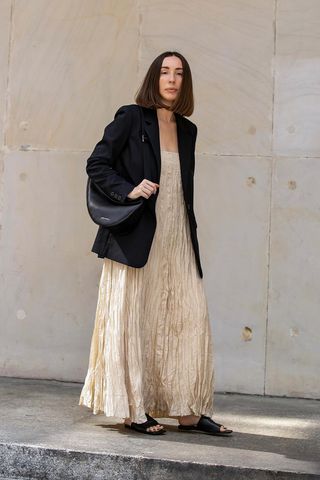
point(144, 189)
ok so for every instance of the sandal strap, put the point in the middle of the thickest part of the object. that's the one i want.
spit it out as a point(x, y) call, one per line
point(146, 424)
point(207, 425)
point(212, 421)
point(151, 419)
point(151, 422)
point(225, 431)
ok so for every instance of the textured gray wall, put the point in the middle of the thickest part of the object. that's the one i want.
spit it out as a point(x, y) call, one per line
point(65, 67)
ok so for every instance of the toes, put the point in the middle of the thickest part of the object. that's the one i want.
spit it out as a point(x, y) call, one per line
point(155, 428)
point(223, 428)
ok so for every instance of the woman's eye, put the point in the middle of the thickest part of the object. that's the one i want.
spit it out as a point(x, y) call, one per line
point(178, 73)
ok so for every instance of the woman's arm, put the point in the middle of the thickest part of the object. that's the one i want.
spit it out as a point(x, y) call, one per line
point(101, 161)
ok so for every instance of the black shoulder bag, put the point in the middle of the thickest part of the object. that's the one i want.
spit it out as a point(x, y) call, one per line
point(106, 212)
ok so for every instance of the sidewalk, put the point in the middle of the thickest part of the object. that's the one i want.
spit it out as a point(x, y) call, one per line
point(45, 434)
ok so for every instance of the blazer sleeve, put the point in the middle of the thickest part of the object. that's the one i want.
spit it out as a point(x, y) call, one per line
point(101, 161)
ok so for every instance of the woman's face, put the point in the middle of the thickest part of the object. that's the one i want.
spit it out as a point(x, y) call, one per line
point(170, 79)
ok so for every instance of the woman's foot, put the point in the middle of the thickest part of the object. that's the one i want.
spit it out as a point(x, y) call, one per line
point(192, 420)
point(149, 426)
point(189, 419)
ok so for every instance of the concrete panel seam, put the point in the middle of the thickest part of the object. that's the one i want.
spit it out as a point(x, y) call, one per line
point(274, 69)
point(252, 155)
point(268, 278)
point(7, 88)
point(23, 148)
point(140, 37)
point(271, 189)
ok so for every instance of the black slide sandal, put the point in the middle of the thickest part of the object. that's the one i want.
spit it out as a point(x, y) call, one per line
point(142, 427)
point(208, 426)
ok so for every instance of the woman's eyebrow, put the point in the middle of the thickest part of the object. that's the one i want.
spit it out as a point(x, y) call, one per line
point(178, 68)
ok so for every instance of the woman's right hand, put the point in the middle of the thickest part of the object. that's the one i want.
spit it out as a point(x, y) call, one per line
point(144, 189)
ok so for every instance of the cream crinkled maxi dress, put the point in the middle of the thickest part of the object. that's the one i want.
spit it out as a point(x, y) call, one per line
point(151, 348)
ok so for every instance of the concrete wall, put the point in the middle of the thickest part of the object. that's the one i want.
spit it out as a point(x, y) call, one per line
point(65, 67)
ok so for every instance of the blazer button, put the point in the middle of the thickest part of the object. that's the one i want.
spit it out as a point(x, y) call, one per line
point(188, 206)
point(112, 194)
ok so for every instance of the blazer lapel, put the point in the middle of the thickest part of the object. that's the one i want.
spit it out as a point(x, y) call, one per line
point(153, 171)
point(185, 150)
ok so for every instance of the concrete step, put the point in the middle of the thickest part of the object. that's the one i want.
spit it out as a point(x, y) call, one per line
point(15, 478)
point(46, 435)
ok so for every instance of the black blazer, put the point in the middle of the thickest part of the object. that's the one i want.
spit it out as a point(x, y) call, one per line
point(116, 165)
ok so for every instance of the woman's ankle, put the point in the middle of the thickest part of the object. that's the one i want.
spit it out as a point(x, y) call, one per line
point(189, 419)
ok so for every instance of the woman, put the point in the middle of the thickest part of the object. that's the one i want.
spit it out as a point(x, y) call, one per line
point(151, 350)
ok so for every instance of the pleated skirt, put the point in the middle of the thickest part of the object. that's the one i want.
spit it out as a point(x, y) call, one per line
point(152, 346)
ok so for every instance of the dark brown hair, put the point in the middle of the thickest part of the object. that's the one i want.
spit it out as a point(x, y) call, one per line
point(148, 94)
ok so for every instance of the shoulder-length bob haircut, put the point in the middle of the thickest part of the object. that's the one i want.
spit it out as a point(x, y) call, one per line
point(148, 93)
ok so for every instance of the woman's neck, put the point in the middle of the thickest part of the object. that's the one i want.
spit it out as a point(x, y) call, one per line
point(165, 115)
